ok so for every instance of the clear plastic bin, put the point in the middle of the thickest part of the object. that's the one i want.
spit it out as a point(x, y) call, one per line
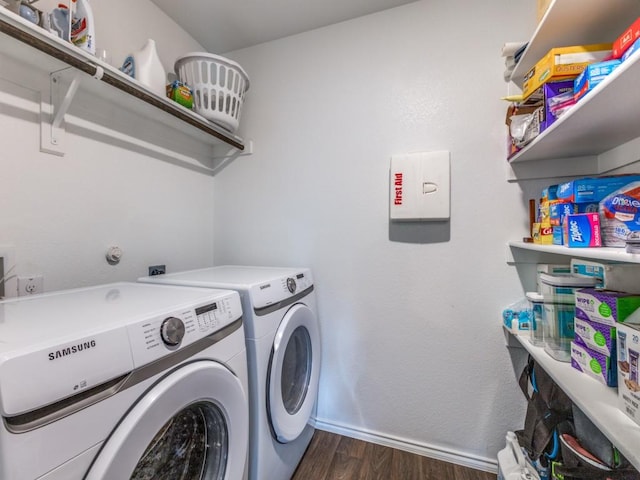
point(536, 326)
point(558, 312)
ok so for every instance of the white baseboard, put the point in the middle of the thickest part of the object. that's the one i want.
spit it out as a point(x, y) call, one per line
point(431, 451)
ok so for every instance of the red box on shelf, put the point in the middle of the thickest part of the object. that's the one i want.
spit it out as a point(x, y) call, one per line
point(626, 39)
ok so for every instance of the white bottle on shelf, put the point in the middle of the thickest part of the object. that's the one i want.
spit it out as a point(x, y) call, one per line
point(83, 33)
point(146, 67)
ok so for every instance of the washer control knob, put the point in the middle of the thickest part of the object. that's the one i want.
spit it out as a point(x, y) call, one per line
point(172, 331)
point(291, 284)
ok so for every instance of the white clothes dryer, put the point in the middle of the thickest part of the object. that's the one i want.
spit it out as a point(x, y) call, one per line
point(283, 350)
point(123, 381)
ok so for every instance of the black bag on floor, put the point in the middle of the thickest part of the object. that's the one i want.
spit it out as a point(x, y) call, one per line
point(548, 415)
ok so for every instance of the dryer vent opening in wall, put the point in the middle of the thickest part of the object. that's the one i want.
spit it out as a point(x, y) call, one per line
point(419, 186)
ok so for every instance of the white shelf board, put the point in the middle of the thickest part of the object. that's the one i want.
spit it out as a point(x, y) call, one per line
point(605, 118)
point(576, 22)
point(18, 42)
point(597, 401)
point(597, 253)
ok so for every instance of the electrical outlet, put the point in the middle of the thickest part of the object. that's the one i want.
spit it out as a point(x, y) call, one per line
point(30, 285)
point(157, 270)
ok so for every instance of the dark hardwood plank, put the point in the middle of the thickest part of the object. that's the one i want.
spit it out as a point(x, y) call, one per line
point(318, 457)
point(376, 463)
point(334, 457)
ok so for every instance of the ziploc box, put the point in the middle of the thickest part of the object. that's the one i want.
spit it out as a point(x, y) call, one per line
point(595, 364)
point(629, 370)
point(558, 209)
point(597, 336)
point(591, 76)
point(606, 306)
point(593, 189)
point(582, 230)
point(622, 277)
point(561, 64)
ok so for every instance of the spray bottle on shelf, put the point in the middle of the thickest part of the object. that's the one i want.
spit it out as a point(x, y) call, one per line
point(82, 26)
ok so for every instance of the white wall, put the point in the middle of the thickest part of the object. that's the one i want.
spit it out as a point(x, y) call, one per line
point(60, 214)
point(410, 314)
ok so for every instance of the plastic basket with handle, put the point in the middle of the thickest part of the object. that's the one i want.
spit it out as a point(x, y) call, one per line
point(219, 86)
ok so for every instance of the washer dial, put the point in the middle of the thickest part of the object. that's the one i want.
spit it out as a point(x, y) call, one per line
point(172, 331)
point(291, 284)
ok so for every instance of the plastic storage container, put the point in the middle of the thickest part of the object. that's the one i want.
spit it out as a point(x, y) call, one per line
point(536, 325)
point(558, 312)
point(219, 86)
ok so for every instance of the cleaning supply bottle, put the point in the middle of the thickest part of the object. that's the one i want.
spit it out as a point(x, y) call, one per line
point(146, 67)
point(82, 26)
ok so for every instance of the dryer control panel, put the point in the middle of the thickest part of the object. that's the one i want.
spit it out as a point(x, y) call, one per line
point(279, 289)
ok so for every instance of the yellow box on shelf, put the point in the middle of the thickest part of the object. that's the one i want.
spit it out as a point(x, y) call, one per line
point(563, 63)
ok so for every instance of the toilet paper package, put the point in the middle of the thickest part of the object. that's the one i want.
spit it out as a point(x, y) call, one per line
point(620, 215)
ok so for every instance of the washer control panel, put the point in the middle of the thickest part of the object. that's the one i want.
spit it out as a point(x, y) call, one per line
point(154, 338)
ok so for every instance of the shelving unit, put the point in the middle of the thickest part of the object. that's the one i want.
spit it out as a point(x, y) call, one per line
point(602, 253)
point(600, 134)
point(605, 125)
point(596, 400)
point(70, 69)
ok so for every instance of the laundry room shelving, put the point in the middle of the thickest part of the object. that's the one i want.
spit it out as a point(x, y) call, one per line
point(598, 135)
point(597, 401)
point(70, 69)
point(612, 254)
point(602, 131)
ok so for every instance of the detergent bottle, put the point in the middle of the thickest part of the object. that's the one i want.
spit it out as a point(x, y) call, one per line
point(82, 26)
point(146, 67)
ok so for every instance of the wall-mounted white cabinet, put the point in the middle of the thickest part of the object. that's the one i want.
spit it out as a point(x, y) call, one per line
point(66, 73)
point(602, 131)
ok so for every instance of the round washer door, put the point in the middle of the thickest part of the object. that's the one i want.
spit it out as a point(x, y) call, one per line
point(294, 372)
point(191, 425)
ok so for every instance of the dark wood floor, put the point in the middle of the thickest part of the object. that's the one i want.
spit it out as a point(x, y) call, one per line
point(334, 457)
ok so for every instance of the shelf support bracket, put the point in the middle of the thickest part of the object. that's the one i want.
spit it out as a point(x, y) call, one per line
point(60, 96)
point(221, 161)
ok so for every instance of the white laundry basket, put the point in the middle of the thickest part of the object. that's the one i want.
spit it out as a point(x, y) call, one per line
point(219, 86)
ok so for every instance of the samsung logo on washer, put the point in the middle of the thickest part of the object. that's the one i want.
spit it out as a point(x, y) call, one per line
point(71, 350)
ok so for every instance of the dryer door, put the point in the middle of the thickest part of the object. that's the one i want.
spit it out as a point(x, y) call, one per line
point(294, 372)
point(191, 425)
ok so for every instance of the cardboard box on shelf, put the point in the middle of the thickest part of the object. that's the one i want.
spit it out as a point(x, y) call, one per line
point(542, 233)
point(629, 370)
point(596, 336)
point(513, 144)
point(593, 189)
point(626, 39)
point(591, 76)
point(595, 364)
point(582, 230)
point(563, 63)
point(607, 306)
point(558, 209)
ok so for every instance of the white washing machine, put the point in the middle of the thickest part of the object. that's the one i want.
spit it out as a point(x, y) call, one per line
point(123, 381)
point(283, 350)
